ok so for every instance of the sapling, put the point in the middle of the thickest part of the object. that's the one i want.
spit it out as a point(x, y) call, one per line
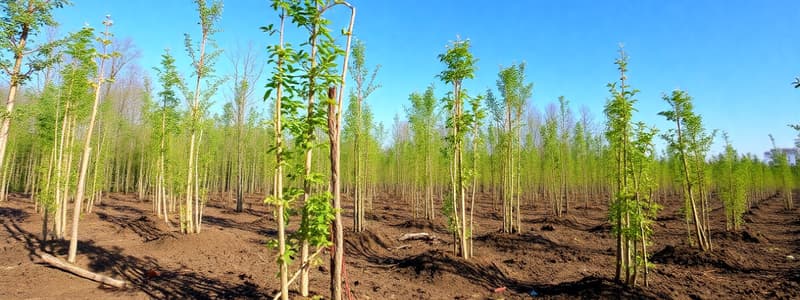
point(202, 65)
point(783, 171)
point(507, 114)
point(364, 86)
point(82, 52)
point(459, 65)
point(422, 122)
point(314, 80)
point(686, 139)
point(621, 139)
point(731, 177)
point(279, 56)
point(246, 72)
point(165, 121)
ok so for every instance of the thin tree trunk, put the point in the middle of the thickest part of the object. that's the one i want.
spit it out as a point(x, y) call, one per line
point(12, 89)
point(84, 167)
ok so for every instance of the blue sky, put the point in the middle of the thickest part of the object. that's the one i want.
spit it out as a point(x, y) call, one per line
point(736, 58)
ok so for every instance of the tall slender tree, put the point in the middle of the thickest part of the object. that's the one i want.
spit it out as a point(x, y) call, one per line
point(202, 65)
point(515, 93)
point(364, 85)
point(459, 65)
point(422, 122)
point(83, 52)
point(165, 120)
point(686, 140)
point(281, 57)
point(619, 133)
point(780, 162)
point(20, 24)
point(731, 176)
point(246, 72)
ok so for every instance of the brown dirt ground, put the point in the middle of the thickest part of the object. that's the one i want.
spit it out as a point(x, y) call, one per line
point(571, 257)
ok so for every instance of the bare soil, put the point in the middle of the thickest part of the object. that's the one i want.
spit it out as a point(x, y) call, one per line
point(554, 258)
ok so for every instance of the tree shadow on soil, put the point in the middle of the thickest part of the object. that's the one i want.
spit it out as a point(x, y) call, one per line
point(142, 226)
point(143, 274)
point(431, 266)
point(254, 227)
point(122, 208)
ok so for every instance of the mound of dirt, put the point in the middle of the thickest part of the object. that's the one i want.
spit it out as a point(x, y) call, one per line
point(508, 242)
point(686, 256)
point(369, 245)
point(602, 228)
point(433, 265)
point(592, 287)
point(744, 236)
point(567, 221)
point(422, 225)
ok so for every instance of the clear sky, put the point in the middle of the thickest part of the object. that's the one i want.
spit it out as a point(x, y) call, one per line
point(736, 58)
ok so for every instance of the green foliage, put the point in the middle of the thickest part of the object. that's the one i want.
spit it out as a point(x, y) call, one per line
point(459, 63)
point(318, 213)
point(168, 110)
point(25, 19)
point(302, 75)
point(76, 90)
point(631, 212)
point(782, 171)
point(731, 177)
point(690, 142)
point(449, 211)
point(514, 90)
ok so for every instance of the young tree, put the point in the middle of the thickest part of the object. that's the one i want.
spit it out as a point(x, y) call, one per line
point(81, 51)
point(364, 86)
point(731, 176)
point(459, 65)
point(20, 24)
point(280, 57)
point(632, 154)
point(477, 115)
point(165, 119)
point(643, 210)
point(334, 120)
point(246, 72)
point(202, 64)
point(784, 173)
point(315, 78)
point(564, 160)
point(422, 122)
point(515, 92)
point(686, 139)
point(551, 160)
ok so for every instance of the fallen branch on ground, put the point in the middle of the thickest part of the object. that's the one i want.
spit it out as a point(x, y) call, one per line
point(400, 247)
point(62, 265)
point(417, 236)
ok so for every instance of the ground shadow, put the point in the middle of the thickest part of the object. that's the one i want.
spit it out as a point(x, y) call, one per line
point(254, 227)
point(142, 226)
point(144, 274)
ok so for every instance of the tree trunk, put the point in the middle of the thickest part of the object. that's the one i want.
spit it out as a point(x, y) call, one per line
point(84, 167)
